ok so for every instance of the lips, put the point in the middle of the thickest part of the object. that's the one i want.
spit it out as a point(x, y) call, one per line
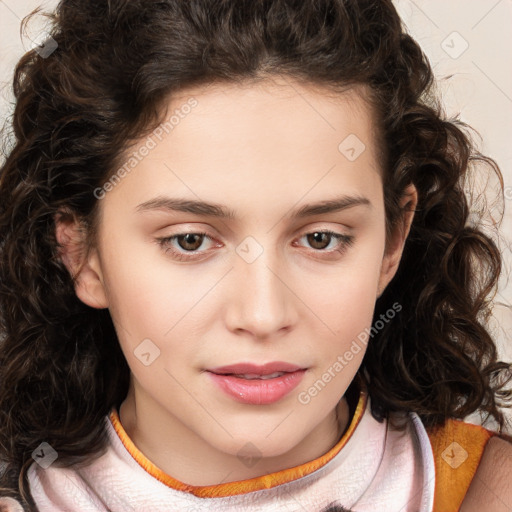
point(257, 384)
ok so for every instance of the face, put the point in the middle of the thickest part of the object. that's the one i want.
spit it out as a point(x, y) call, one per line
point(283, 265)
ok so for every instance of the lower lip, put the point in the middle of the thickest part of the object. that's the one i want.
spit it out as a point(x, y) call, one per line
point(258, 391)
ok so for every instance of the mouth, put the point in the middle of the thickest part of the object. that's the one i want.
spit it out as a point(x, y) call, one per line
point(257, 385)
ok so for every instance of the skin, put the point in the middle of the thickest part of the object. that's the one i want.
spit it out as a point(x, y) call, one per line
point(263, 151)
point(491, 489)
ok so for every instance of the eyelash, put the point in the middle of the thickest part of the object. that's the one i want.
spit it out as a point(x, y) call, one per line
point(344, 240)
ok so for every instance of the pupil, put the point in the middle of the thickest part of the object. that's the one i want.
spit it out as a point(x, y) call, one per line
point(189, 240)
point(317, 238)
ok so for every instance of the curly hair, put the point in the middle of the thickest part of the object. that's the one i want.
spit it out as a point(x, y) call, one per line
point(77, 110)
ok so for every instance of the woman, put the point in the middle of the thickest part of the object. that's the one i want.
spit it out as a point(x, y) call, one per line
point(236, 272)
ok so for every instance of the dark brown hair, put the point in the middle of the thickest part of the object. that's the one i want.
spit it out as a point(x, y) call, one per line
point(78, 109)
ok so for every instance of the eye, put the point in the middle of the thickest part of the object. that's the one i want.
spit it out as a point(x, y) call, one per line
point(321, 240)
point(185, 246)
point(188, 242)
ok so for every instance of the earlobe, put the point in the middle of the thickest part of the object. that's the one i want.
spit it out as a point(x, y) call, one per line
point(83, 264)
point(391, 259)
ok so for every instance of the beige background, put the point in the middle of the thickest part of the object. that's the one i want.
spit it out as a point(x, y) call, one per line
point(469, 40)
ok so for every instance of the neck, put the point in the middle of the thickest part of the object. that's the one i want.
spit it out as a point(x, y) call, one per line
point(182, 454)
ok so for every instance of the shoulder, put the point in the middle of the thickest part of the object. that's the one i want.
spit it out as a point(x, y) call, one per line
point(491, 487)
point(10, 505)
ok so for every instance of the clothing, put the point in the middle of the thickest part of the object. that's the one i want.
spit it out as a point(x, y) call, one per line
point(458, 449)
point(372, 467)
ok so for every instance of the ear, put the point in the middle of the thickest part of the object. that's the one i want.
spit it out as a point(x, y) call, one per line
point(395, 247)
point(82, 262)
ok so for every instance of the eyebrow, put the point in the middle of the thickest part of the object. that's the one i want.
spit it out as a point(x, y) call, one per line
point(220, 211)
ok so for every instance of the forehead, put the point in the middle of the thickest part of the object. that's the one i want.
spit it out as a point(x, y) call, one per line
point(276, 105)
point(272, 142)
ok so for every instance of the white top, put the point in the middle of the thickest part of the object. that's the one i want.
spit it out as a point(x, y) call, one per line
point(375, 469)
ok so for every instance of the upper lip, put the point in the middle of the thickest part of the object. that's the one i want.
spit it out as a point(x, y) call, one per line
point(251, 368)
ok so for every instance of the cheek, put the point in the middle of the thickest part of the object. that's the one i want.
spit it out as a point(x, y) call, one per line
point(346, 297)
point(140, 283)
point(346, 309)
point(150, 298)
point(343, 304)
point(152, 316)
point(137, 296)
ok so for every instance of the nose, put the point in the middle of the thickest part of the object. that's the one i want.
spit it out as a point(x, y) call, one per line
point(262, 302)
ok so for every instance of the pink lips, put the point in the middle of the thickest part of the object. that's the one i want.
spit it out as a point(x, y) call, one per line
point(257, 391)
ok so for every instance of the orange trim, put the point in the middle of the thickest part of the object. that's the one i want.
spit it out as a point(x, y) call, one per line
point(240, 486)
point(455, 471)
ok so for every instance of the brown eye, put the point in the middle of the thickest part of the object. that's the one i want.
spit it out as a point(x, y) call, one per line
point(319, 239)
point(184, 246)
point(190, 241)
